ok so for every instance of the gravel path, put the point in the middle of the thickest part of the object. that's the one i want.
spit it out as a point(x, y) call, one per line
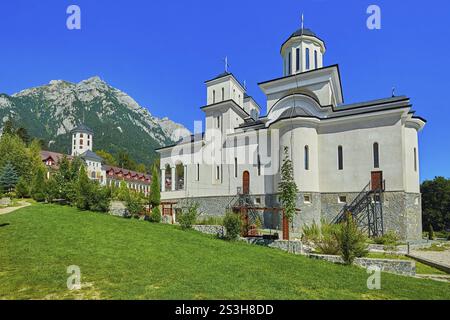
point(11, 209)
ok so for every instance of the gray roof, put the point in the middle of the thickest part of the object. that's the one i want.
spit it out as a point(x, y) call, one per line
point(223, 74)
point(302, 32)
point(292, 113)
point(83, 129)
point(91, 156)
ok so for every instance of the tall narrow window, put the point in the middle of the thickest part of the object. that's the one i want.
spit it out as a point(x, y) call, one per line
point(316, 63)
point(259, 165)
point(218, 122)
point(415, 159)
point(307, 59)
point(214, 96)
point(376, 156)
point(235, 167)
point(340, 158)
point(217, 172)
point(198, 171)
point(297, 59)
point(223, 94)
point(290, 63)
point(306, 158)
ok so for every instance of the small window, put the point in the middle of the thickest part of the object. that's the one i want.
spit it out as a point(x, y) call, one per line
point(297, 59)
point(316, 64)
point(307, 59)
point(257, 200)
point(217, 172)
point(214, 96)
point(198, 172)
point(306, 158)
point(340, 158)
point(223, 94)
point(235, 168)
point(342, 199)
point(88, 142)
point(81, 135)
point(415, 159)
point(376, 156)
point(289, 63)
point(81, 141)
point(307, 198)
point(218, 122)
point(259, 165)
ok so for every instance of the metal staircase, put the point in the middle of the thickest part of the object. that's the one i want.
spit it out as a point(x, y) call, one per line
point(366, 209)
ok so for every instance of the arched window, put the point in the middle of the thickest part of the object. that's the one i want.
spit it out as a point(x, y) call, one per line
point(214, 96)
point(306, 158)
point(316, 64)
point(297, 59)
point(415, 159)
point(289, 63)
point(307, 59)
point(376, 156)
point(340, 158)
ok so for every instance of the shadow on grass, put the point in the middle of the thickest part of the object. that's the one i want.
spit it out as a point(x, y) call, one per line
point(4, 225)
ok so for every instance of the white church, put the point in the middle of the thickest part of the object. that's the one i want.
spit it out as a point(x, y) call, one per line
point(363, 157)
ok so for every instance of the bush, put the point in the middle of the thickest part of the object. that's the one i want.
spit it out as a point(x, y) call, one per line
point(352, 241)
point(156, 215)
point(37, 189)
point(23, 188)
point(100, 199)
point(134, 204)
point(188, 216)
point(389, 240)
point(323, 238)
point(210, 221)
point(233, 224)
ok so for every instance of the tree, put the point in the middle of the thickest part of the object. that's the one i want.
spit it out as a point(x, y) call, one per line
point(436, 203)
point(22, 133)
point(8, 178)
point(352, 241)
point(124, 161)
point(287, 187)
point(23, 188)
point(8, 127)
point(107, 157)
point(141, 168)
point(123, 192)
point(155, 195)
point(83, 189)
point(13, 150)
point(38, 184)
point(430, 232)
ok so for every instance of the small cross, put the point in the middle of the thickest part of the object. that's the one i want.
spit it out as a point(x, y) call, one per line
point(226, 64)
point(393, 91)
point(303, 21)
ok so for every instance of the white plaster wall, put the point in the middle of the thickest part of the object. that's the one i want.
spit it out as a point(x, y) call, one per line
point(357, 142)
point(412, 181)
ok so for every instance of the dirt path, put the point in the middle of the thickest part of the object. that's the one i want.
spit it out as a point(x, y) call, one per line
point(6, 210)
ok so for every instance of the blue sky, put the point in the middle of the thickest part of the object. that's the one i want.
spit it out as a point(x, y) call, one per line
point(161, 52)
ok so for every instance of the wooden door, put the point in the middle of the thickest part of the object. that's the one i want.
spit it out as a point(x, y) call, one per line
point(246, 182)
point(376, 180)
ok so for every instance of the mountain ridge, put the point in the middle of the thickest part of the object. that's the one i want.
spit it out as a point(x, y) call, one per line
point(52, 110)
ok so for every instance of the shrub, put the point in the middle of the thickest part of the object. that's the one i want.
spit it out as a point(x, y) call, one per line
point(134, 204)
point(210, 221)
point(323, 238)
point(37, 189)
point(188, 216)
point(430, 233)
point(23, 188)
point(100, 198)
point(233, 224)
point(352, 241)
point(51, 190)
point(389, 240)
point(156, 214)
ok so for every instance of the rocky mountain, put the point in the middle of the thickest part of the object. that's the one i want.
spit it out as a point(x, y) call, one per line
point(51, 111)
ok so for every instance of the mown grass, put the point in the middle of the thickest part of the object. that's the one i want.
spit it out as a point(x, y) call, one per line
point(131, 259)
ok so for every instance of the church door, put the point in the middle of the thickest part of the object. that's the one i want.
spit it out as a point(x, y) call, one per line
point(376, 180)
point(246, 182)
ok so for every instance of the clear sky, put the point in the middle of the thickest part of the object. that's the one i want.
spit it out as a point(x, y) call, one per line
point(161, 52)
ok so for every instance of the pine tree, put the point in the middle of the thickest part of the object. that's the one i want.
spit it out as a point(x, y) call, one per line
point(155, 196)
point(83, 188)
point(287, 187)
point(38, 184)
point(23, 188)
point(8, 177)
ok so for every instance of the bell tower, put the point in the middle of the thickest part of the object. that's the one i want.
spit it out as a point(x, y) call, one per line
point(82, 140)
point(302, 51)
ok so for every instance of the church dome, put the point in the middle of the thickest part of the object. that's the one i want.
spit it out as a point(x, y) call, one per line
point(293, 112)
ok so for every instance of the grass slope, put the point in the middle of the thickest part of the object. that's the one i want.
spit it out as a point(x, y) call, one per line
point(131, 259)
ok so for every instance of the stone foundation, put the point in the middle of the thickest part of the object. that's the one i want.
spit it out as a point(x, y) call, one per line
point(401, 211)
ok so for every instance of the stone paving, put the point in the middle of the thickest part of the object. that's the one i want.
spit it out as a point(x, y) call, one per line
point(11, 209)
point(440, 257)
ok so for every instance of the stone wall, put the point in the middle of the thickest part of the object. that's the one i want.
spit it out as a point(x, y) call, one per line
point(211, 229)
point(401, 211)
point(402, 267)
point(294, 246)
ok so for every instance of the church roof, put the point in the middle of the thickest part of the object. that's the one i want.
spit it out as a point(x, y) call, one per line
point(82, 128)
point(302, 32)
point(293, 112)
point(91, 156)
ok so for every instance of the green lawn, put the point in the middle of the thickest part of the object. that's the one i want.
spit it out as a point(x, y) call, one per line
point(131, 259)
